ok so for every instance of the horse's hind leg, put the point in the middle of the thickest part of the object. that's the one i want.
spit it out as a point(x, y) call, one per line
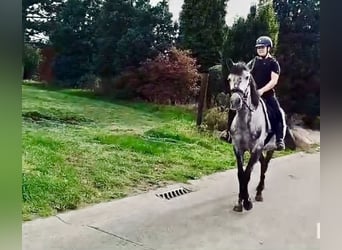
point(247, 203)
point(260, 186)
point(264, 161)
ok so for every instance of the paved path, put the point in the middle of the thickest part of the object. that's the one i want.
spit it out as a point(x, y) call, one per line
point(202, 219)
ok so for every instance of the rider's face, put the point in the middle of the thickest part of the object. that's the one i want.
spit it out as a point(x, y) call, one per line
point(261, 51)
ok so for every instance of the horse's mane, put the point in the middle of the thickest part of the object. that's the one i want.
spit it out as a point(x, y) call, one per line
point(237, 69)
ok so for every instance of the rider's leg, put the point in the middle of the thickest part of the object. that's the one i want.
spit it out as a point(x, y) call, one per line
point(279, 125)
point(231, 115)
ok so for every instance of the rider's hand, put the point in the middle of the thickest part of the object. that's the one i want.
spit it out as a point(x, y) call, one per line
point(260, 92)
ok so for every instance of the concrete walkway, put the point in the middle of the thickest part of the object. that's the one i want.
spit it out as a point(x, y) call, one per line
point(202, 219)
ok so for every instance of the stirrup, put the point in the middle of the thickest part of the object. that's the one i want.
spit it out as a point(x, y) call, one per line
point(280, 145)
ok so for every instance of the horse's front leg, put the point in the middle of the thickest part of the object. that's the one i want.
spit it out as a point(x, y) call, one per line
point(247, 203)
point(239, 160)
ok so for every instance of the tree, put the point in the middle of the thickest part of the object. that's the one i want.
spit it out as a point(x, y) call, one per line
point(201, 30)
point(298, 15)
point(72, 38)
point(237, 44)
point(38, 17)
point(267, 24)
point(115, 18)
point(299, 55)
point(165, 30)
point(129, 32)
point(150, 33)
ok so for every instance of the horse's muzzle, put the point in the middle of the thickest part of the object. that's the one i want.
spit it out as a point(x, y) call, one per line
point(235, 101)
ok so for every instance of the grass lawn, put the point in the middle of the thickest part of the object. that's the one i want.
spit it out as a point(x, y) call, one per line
point(78, 150)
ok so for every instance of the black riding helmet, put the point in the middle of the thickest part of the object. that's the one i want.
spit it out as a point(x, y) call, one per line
point(264, 41)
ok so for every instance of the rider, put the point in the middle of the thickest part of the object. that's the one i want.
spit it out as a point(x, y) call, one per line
point(265, 71)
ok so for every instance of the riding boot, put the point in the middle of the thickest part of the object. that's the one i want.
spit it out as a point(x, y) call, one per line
point(226, 136)
point(280, 135)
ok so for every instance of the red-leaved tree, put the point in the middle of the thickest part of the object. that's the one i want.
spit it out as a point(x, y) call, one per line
point(169, 78)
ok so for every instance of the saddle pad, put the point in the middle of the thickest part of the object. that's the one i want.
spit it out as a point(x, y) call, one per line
point(268, 123)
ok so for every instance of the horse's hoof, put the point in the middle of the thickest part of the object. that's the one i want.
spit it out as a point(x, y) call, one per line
point(247, 204)
point(238, 208)
point(258, 197)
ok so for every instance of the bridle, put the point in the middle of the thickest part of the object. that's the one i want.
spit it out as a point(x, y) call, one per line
point(243, 94)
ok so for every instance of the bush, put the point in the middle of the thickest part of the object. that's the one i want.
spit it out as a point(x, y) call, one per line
point(216, 119)
point(89, 81)
point(167, 79)
point(124, 85)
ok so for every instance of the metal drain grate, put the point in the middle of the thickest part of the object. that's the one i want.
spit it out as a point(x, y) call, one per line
point(174, 193)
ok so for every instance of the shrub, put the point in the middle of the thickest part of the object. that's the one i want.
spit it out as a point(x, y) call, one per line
point(124, 86)
point(171, 77)
point(216, 119)
point(89, 81)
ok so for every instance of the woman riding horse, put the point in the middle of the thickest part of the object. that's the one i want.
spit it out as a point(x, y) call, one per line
point(265, 70)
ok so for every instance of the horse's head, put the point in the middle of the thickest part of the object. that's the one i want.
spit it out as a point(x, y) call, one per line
point(242, 86)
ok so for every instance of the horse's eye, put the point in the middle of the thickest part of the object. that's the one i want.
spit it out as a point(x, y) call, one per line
point(246, 77)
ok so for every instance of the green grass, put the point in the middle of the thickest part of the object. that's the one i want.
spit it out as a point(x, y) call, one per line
point(80, 150)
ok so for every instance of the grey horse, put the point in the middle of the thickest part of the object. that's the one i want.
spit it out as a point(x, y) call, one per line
point(250, 131)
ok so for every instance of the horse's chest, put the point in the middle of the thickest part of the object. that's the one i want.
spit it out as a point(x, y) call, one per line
point(245, 140)
point(246, 132)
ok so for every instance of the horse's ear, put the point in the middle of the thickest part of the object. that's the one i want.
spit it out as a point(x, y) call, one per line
point(250, 64)
point(254, 94)
point(229, 63)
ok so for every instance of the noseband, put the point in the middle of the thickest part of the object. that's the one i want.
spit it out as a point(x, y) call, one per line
point(244, 95)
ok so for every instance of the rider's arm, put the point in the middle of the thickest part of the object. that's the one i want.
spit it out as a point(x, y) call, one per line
point(270, 85)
